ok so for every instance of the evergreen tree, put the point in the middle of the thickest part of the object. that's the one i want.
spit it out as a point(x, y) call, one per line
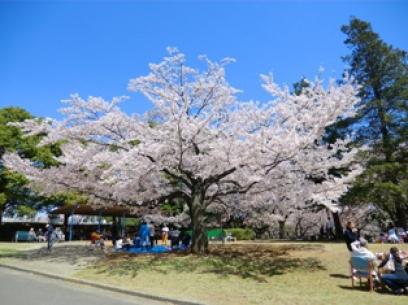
point(381, 121)
point(13, 190)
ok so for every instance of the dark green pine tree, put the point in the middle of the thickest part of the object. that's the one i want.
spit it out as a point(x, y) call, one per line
point(381, 122)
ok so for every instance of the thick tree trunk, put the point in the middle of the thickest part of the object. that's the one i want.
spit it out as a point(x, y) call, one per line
point(199, 240)
point(282, 229)
point(1, 216)
point(337, 226)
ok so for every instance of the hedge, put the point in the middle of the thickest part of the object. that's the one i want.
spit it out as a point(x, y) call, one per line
point(241, 234)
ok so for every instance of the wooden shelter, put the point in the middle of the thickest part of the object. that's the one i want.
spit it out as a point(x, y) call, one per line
point(116, 212)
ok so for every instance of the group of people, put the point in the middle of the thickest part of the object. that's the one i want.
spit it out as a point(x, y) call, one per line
point(50, 235)
point(394, 274)
point(148, 236)
point(39, 236)
point(393, 235)
point(98, 240)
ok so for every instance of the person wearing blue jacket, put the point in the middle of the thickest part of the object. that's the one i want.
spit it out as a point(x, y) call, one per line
point(144, 234)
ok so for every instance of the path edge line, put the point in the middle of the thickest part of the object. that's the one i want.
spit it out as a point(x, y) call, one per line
point(100, 286)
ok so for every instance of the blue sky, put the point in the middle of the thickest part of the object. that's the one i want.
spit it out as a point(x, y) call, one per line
point(51, 49)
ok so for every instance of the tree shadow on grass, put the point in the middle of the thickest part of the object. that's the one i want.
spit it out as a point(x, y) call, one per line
point(340, 276)
point(257, 262)
point(364, 287)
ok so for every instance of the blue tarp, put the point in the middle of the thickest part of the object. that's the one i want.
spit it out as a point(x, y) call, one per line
point(154, 250)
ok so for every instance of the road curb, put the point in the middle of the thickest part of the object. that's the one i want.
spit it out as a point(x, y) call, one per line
point(101, 286)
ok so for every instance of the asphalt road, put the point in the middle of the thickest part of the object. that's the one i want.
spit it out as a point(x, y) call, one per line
point(19, 288)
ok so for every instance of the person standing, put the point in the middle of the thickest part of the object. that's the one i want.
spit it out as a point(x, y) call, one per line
point(165, 234)
point(157, 235)
point(350, 235)
point(50, 236)
point(152, 232)
point(144, 234)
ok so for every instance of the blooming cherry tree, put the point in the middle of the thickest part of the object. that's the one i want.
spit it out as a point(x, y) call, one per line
point(199, 143)
point(309, 182)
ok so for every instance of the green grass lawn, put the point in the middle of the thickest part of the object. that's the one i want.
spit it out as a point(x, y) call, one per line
point(241, 274)
point(16, 249)
point(237, 274)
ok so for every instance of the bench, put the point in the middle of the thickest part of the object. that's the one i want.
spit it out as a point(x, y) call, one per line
point(23, 236)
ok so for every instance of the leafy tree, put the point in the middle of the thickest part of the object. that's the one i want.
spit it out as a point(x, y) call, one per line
point(13, 189)
point(381, 120)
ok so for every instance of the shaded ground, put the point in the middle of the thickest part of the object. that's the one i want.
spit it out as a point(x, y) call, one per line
point(65, 258)
point(64, 253)
point(238, 274)
point(244, 274)
point(256, 262)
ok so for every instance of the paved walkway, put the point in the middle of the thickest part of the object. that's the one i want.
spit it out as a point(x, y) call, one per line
point(18, 288)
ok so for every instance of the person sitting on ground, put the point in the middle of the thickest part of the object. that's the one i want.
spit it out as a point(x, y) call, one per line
point(59, 236)
point(126, 244)
point(382, 238)
point(174, 236)
point(350, 235)
point(185, 240)
point(41, 237)
point(119, 244)
point(393, 234)
point(101, 242)
point(360, 249)
point(398, 279)
point(95, 237)
point(32, 235)
point(137, 241)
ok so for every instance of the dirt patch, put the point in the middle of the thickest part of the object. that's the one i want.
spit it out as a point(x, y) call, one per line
point(64, 259)
point(71, 254)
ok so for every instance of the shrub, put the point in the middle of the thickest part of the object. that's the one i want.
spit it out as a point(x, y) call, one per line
point(241, 233)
